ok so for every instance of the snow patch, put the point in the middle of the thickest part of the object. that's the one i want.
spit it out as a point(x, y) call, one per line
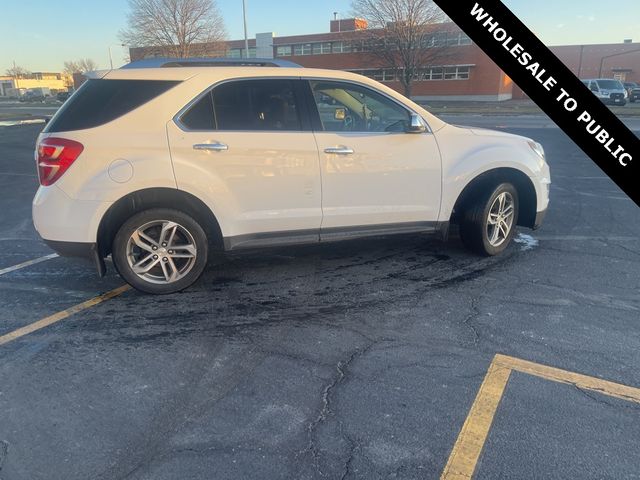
point(11, 123)
point(527, 242)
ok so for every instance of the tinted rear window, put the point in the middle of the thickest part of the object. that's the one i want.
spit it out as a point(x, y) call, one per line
point(99, 101)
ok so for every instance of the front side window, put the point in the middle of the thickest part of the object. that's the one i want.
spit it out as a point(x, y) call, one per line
point(267, 105)
point(345, 107)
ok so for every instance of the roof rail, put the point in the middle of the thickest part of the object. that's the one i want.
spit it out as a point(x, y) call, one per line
point(210, 62)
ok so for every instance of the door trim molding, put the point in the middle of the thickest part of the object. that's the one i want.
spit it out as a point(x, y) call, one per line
point(334, 234)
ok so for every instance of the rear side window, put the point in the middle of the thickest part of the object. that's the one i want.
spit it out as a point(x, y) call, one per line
point(200, 115)
point(268, 105)
point(100, 101)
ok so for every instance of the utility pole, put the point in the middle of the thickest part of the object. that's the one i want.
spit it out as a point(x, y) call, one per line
point(15, 78)
point(246, 39)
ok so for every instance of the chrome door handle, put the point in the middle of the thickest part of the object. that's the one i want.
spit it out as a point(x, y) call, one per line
point(216, 147)
point(339, 150)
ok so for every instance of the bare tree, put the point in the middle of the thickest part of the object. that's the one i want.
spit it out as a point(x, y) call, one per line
point(17, 71)
point(176, 28)
point(401, 35)
point(80, 66)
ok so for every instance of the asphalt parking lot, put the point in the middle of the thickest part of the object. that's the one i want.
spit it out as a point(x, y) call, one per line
point(369, 359)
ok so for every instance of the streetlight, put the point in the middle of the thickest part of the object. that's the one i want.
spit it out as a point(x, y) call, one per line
point(110, 56)
point(244, 18)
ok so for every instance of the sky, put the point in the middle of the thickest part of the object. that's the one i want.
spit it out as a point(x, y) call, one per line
point(40, 35)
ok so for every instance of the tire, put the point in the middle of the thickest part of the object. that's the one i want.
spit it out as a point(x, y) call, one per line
point(150, 265)
point(480, 236)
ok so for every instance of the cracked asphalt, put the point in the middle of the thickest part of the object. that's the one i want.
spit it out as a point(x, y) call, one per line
point(353, 360)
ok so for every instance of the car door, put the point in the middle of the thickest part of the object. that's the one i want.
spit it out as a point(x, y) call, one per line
point(374, 173)
point(245, 147)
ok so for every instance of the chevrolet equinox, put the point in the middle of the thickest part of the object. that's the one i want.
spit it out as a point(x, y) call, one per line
point(164, 161)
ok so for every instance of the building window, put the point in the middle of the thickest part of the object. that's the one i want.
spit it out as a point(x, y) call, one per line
point(433, 73)
point(457, 38)
point(456, 73)
point(321, 48)
point(465, 39)
point(302, 49)
point(440, 39)
point(235, 53)
point(380, 75)
point(341, 47)
point(356, 46)
point(425, 74)
point(283, 51)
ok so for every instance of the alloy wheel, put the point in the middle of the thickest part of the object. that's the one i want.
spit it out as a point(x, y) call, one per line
point(500, 219)
point(161, 252)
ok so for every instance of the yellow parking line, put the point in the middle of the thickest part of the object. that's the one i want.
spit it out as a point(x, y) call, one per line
point(605, 387)
point(28, 263)
point(56, 317)
point(468, 447)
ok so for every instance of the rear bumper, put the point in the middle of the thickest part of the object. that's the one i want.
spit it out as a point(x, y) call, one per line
point(72, 249)
point(539, 219)
point(61, 218)
point(80, 250)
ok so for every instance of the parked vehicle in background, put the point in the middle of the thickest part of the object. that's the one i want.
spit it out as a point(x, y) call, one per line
point(35, 94)
point(159, 166)
point(634, 91)
point(629, 86)
point(62, 96)
point(608, 90)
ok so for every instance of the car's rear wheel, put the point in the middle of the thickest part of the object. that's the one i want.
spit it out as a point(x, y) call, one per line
point(160, 251)
point(488, 224)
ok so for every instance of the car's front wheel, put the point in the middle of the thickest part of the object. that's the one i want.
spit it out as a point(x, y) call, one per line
point(160, 251)
point(488, 224)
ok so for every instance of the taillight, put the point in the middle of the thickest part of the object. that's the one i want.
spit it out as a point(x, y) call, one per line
point(54, 157)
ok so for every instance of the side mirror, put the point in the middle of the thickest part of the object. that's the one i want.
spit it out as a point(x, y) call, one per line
point(416, 125)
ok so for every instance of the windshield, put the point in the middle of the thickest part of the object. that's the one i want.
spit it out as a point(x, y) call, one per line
point(610, 84)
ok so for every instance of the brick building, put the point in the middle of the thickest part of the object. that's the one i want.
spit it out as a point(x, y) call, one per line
point(463, 72)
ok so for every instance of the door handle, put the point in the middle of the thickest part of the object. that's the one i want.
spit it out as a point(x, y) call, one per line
point(339, 150)
point(216, 147)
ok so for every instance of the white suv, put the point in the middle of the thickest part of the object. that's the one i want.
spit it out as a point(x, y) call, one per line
point(164, 161)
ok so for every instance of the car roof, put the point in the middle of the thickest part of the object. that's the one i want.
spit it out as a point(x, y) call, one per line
point(186, 72)
point(213, 74)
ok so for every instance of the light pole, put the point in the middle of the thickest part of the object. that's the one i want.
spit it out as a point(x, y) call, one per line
point(244, 18)
point(110, 56)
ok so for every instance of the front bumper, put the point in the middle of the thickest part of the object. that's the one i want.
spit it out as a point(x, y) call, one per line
point(539, 219)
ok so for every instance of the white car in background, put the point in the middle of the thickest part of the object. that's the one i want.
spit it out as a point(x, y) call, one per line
point(164, 161)
point(608, 90)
